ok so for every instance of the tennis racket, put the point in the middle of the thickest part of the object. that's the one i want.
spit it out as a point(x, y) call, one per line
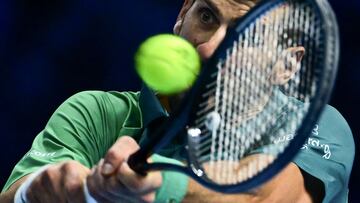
point(260, 94)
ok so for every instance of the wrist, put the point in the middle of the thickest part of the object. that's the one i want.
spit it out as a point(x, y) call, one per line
point(20, 195)
point(88, 197)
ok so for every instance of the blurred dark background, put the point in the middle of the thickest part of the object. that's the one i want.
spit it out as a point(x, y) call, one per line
point(50, 50)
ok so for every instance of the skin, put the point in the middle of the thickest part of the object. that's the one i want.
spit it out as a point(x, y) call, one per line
point(63, 182)
point(204, 24)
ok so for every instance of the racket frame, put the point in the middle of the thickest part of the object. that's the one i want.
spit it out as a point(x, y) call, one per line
point(177, 123)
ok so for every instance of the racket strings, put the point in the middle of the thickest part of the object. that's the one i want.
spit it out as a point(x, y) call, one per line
point(239, 112)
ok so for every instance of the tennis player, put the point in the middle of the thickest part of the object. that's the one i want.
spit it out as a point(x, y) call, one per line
point(91, 135)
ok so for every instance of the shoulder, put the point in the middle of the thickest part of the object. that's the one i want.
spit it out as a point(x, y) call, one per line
point(102, 99)
point(102, 96)
point(332, 138)
point(328, 154)
point(335, 128)
point(100, 106)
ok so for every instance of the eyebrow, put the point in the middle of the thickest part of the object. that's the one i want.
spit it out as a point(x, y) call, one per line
point(218, 13)
point(213, 7)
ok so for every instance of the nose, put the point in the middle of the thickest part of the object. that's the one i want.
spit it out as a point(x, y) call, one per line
point(207, 49)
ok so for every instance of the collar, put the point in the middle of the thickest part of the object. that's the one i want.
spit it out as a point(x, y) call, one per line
point(150, 106)
point(274, 110)
point(276, 107)
point(151, 110)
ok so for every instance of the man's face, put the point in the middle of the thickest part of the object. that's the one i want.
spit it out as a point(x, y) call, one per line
point(204, 22)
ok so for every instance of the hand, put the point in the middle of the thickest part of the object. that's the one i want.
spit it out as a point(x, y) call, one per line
point(61, 182)
point(113, 180)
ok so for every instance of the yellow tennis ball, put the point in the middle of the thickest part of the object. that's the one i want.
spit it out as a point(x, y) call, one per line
point(167, 63)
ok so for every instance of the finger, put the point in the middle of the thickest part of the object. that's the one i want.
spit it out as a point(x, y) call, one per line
point(50, 181)
point(33, 191)
point(110, 189)
point(103, 189)
point(149, 197)
point(73, 177)
point(43, 188)
point(118, 153)
point(137, 183)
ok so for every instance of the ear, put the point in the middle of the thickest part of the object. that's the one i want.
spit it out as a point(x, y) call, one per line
point(185, 8)
point(287, 65)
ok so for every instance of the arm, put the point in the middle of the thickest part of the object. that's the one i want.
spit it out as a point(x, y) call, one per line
point(290, 181)
point(53, 183)
point(77, 135)
point(63, 182)
point(8, 196)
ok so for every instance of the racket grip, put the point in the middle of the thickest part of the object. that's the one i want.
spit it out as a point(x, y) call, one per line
point(137, 162)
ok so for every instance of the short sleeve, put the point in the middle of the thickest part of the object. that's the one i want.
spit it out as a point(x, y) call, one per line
point(81, 129)
point(328, 155)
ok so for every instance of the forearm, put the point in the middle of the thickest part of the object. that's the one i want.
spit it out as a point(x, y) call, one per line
point(8, 196)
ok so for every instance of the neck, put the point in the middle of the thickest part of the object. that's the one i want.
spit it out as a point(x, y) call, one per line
point(171, 102)
point(255, 109)
point(164, 100)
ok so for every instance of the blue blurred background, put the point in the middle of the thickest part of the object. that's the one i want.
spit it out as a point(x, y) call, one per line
point(50, 50)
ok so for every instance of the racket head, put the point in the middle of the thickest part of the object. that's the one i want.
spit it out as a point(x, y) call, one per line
point(220, 132)
point(307, 94)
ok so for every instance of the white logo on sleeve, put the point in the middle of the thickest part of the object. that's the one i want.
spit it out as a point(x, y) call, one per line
point(313, 142)
point(37, 153)
point(310, 142)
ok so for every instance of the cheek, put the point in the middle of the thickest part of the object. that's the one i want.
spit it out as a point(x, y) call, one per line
point(189, 32)
point(199, 38)
point(194, 32)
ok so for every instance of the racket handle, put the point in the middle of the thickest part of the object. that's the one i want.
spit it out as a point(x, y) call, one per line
point(137, 162)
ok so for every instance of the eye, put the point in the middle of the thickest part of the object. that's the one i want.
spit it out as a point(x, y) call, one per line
point(206, 16)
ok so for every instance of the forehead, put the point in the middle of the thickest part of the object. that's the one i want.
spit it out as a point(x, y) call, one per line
point(232, 9)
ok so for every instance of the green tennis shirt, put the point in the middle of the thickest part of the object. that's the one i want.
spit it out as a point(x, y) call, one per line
point(327, 154)
point(86, 125)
